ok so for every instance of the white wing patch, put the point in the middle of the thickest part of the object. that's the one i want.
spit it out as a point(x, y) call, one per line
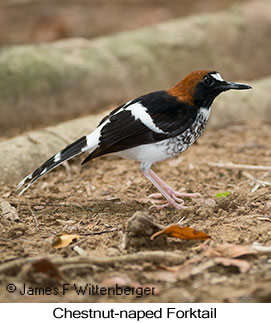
point(93, 138)
point(140, 112)
point(57, 157)
point(44, 171)
point(218, 77)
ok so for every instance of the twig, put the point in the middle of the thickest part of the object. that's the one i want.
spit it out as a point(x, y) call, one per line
point(55, 204)
point(164, 257)
point(254, 179)
point(68, 169)
point(230, 165)
point(149, 256)
point(249, 216)
point(92, 234)
point(100, 232)
point(34, 216)
point(255, 182)
point(264, 219)
point(262, 249)
point(18, 263)
point(78, 242)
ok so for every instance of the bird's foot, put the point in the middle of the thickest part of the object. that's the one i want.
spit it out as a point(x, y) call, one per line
point(157, 199)
point(159, 205)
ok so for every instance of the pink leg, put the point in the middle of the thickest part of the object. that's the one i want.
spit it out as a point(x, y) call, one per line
point(166, 191)
point(170, 191)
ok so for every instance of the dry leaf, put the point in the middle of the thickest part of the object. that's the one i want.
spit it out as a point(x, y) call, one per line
point(7, 194)
point(192, 261)
point(186, 233)
point(190, 268)
point(47, 267)
point(65, 240)
point(7, 211)
point(221, 254)
point(234, 251)
point(228, 250)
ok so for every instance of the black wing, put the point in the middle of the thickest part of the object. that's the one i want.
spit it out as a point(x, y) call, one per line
point(123, 131)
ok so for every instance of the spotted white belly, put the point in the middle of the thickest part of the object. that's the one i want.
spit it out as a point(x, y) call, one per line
point(169, 147)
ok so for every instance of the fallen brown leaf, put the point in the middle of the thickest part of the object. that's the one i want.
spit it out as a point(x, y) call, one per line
point(47, 267)
point(65, 240)
point(222, 254)
point(179, 232)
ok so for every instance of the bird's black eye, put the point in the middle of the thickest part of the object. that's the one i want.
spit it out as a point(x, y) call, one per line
point(209, 81)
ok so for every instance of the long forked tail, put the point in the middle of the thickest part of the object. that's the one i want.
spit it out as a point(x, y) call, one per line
point(76, 148)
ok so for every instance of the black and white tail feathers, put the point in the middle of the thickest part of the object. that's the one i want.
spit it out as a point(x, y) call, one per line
point(87, 143)
point(76, 148)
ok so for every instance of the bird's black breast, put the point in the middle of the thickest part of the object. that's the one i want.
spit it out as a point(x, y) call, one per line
point(148, 119)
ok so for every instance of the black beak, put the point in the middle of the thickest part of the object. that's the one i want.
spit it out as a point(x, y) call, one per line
point(234, 86)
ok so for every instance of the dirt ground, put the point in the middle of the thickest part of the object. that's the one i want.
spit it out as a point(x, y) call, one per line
point(103, 195)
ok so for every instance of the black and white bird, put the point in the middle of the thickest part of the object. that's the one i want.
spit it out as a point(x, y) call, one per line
point(148, 129)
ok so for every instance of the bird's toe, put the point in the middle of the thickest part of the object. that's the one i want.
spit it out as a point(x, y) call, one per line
point(181, 193)
point(156, 196)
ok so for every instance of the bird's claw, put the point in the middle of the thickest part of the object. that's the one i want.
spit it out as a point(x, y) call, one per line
point(157, 199)
point(158, 196)
point(161, 205)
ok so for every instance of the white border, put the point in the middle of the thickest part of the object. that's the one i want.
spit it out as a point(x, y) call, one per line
point(43, 312)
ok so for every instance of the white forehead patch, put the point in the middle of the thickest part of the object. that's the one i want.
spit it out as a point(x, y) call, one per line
point(217, 76)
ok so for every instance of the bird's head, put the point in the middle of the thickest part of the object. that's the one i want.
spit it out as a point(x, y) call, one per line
point(200, 88)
